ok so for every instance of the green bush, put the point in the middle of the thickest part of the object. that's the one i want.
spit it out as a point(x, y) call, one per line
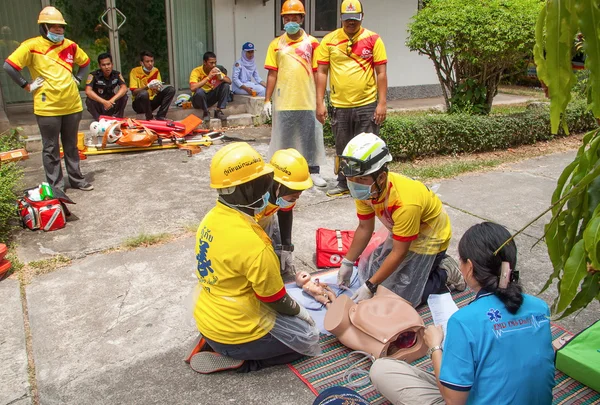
point(10, 179)
point(409, 137)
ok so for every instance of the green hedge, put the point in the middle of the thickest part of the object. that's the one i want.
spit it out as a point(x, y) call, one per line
point(409, 137)
point(10, 179)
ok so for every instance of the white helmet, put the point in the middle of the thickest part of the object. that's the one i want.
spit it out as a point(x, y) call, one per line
point(182, 98)
point(366, 153)
point(95, 128)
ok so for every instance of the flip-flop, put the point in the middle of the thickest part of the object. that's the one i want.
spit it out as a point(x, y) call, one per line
point(210, 362)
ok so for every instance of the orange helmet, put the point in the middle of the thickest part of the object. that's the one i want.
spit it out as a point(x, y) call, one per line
point(292, 7)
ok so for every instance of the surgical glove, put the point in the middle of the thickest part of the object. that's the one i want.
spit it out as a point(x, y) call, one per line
point(36, 84)
point(345, 272)
point(267, 109)
point(155, 85)
point(363, 293)
point(287, 262)
point(305, 316)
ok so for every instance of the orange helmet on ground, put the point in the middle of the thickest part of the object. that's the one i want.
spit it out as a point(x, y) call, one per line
point(292, 7)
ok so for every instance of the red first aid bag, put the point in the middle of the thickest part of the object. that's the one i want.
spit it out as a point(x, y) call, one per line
point(332, 245)
point(48, 215)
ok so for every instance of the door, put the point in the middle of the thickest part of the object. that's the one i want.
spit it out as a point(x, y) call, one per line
point(122, 27)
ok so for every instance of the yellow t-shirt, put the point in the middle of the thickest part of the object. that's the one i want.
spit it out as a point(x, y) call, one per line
point(198, 75)
point(295, 64)
point(59, 94)
point(352, 68)
point(138, 79)
point(237, 270)
point(412, 212)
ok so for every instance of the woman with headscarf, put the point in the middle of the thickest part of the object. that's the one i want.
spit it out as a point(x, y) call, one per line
point(244, 71)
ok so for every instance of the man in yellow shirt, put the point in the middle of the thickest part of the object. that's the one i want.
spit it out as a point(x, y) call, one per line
point(290, 89)
point(147, 89)
point(412, 261)
point(356, 61)
point(209, 86)
point(56, 102)
point(291, 178)
point(246, 318)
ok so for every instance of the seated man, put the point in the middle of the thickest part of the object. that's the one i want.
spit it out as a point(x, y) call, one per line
point(147, 90)
point(209, 86)
point(244, 71)
point(106, 90)
point(412, 261)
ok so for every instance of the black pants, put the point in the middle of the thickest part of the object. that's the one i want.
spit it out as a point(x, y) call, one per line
point(261, 353)
point(64, 127)
point(346, 123)
point(436, 283)
point(202, 100)
point(97, 109)
point(143, 105)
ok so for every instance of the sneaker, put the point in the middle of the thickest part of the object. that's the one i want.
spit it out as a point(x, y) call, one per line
point(220, 115)
point(455, 280)
point(339, 190)
point(209, 362)
point(200, 345)
point(86, 187)
point(318, 180)
point(162, 119)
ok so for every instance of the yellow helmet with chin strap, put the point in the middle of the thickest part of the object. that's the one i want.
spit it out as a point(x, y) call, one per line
point(291, 169)
point(235, 164)
point(50, 15)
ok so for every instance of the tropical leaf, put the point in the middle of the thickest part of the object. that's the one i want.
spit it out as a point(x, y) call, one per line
point(554, 242)
point(591, 238)
point(589, 289)
point(588, 12)
point(575, 271)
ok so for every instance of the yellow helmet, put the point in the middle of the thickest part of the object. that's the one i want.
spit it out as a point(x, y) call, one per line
point(291, 169)
point(292, 7)
point(235, 164)
point(351, 10)
point(50, 15)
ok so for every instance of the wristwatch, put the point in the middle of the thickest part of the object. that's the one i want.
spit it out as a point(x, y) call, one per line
point(288, 248)
point(433, 349)
point(372, 287)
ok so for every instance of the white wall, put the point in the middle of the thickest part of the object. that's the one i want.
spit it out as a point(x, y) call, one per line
point(253, 23)
point(249, 20)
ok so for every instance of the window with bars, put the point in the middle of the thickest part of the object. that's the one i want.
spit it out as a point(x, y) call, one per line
point(322, 16)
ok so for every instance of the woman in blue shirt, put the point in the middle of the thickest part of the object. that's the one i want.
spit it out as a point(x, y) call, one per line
point(244, 71)
point(498, 349)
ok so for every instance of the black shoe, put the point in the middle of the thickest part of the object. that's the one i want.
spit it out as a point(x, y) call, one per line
point(86, 187)
point(339, 190)
point(219, 114)
point(162, 119)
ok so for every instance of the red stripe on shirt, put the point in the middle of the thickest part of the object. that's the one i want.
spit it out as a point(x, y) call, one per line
point(275, 297)
point(405, 238)
point(86, 63)
point(322, 62)
point(383, 62)
point(271, 68)
point(17, 67)
point(364, 217)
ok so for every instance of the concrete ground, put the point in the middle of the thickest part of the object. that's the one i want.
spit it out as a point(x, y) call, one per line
point(114, 325)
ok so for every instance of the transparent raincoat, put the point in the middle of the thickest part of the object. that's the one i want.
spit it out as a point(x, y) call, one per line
point(294, 101)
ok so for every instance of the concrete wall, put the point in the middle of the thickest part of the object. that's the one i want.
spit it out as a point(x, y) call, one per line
point(409, 75)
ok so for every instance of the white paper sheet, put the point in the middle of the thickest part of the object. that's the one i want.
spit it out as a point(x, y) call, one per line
point(442, 307)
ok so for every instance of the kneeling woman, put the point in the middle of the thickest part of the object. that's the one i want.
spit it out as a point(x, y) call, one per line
point(498, 349)
point(246, 318)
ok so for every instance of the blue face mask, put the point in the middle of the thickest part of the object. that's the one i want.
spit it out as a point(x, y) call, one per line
point(360, 191)
point(56, 38)
point(291, 28)
point(283, 203)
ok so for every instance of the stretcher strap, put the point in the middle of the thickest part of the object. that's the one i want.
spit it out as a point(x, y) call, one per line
point(338, 235)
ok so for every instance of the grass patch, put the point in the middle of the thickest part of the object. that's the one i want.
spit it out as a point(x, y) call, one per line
point(522, 91)
point(145, 240)
point(191, 228)
point(442, 170)
point(48, 265)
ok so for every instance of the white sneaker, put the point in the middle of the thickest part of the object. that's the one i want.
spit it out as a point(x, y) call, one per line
point(318, 180)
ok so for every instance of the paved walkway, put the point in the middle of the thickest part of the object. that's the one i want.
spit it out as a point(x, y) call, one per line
point(113, 327)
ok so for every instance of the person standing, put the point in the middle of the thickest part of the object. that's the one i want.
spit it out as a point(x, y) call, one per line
point(56, 102)
point(106, 90)
point(210, 85)
point(147, 90)
point(244, 71)
point(290, 89)
point(356, 61)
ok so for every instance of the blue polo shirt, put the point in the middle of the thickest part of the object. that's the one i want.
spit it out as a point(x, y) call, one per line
point(500, 358)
